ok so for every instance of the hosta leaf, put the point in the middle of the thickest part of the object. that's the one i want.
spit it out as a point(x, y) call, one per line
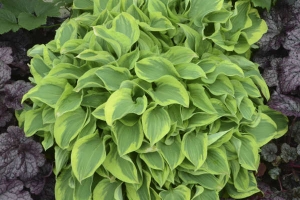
point(179, 193)
point(172, 153)
point(156, 124)
point(38, 68)
point(266, 126)
point(62, 189)
point(102, 57)
point(200, 8)
point(222, 86)
point(128, 138)
point(194, 40)
point(67, 71)
point(225, 67)
point(153, 68)
point(84, 166)
point(280, 120)
point(128, 60)
point(121, 103)
point(66, 32)
point(160, 176)
point(68, 101)
point(189, 71)
point(168, 90)
point(94, 99)
point(67, 127)
point(153, 160)
point(157, 23)
point(247, 150)
point(200, 98)
point(208, 194)
point(247, 108)
point(83, 190)
point(48, 91)
point(179, 55)
point(112, 76)
point(74, 46)
point(216, 162)
point(141, 193)
point(194, 147)
point(89, 79)
point(106, 189)
point(33, 122)
point(207, 181)
point(202, 119)
point(120, 43)
point(61, 158)
point(121, 167)
point(126, 24)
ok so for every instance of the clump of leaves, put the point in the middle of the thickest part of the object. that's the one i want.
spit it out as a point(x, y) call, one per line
point(142, 100)
point(28, 14)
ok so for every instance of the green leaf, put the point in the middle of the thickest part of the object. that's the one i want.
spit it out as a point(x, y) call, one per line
point(247, 150)
point(247, 108)
point(102, 57)
point(201, 119)
point(194, 40)
point(153, 68)
point(83, 190)
point(156, 124)
point(262, 3)
point(208, 181)
point(141, 193)
point(85, 166)
point(67, 71)
point(68, 101)
point(208, 194)
point(280, 120)
point(106, 189)
point(194, 147)
point(264, 131)
point(29, 21)
point(48, 140)
point(94, 98)
point(126, 24)
point(38, 68)
point(179, 55)
point(33, 122)
point(121, 167)
point(157, 23)
point(67, 31)
point(153, 160)
point(190, 71)
point(222, 86)
point(68, 126)
point(120, 43)
point(61, 158)
point(216, 162)
point(62, 189)
point(128, 138)
point(89, 79)
point(83, 5)
point(112, 76)
point(168, 90)
point(8, 21)
point(121, 103)
point(172, 153)
point(200, 98)
point(48, 91)
point(74, 46)
point(181, 192)
point(200, 8)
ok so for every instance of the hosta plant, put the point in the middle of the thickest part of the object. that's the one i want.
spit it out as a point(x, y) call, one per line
point(150, 100)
